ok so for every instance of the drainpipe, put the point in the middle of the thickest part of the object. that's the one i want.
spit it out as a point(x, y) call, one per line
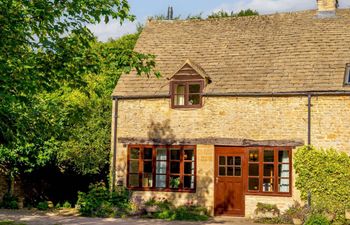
point(115, 117)
point(309, 120)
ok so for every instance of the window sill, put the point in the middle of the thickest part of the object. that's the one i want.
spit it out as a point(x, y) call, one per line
point(269, 194)
point(163, 190)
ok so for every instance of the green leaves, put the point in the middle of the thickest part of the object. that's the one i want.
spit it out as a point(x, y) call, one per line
point(56, 80)
point(326, 174)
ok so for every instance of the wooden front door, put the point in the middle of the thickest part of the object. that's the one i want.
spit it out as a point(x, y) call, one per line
point(229, 189)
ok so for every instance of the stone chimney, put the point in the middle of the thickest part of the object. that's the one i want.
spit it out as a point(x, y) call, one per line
point(326, 8)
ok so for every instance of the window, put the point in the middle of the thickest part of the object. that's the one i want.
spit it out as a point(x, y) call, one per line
point(230, 166)
point(165, 168)
point(186, 94)
point(347, 74)
point(269, 170)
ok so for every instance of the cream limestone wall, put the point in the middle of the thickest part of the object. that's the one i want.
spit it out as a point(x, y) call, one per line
point(258, 118)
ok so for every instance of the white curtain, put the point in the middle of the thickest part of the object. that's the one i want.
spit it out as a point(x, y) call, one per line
point(284, 185)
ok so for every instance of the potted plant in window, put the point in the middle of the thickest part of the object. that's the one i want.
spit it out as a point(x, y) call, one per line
point(174, 182)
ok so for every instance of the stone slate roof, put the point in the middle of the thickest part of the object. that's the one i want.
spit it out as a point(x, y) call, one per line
point(289, 52)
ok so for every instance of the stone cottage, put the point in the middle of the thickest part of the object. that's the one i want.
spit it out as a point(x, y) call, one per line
point(237, 96)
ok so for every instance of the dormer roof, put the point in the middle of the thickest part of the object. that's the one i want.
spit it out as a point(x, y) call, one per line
point(189, 64)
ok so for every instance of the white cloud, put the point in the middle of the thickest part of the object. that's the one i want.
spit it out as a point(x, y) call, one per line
point(113, 29)
point(273, 6)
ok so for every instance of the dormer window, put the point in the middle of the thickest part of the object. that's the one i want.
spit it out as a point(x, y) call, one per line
point(347, 74)
point(187, 94)
point(187, 85)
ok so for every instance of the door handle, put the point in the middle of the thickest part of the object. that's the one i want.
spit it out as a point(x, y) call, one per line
point(216, 180)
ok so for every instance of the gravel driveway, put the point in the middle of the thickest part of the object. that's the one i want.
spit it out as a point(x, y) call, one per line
point(39, 218)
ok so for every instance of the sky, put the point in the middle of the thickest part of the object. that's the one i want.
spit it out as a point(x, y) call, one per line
point(143, 9)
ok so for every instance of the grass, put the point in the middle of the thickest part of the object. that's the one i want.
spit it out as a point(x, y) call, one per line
point(10, 222)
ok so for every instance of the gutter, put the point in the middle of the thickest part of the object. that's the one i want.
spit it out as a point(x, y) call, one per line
point(114, 143)
point(244, 94)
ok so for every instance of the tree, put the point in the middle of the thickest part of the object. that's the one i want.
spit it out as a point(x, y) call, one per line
point(86, 146)
point(222, 13)
point(45, 52)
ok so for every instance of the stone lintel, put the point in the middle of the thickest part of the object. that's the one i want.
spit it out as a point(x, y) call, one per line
point(211, 141)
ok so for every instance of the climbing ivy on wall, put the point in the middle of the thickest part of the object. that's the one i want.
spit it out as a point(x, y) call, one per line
point(326, 174)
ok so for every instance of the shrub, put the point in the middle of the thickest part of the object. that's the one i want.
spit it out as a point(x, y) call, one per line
point(67, 205)
point(42, 206)
point(100, 202)
point(190, 213)
point(317, 219)
point(267, 208)
point(326, 174)
point(166, 210)
point(297, 211)
point(9, 201)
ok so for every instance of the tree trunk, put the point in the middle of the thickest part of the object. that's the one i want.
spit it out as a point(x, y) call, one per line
point(11, 183)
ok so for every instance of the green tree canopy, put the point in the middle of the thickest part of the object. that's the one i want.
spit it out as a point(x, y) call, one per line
point(48, 63)
point(222, 13)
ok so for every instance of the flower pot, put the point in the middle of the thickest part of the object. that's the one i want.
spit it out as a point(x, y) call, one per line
point(152, 209)
point(297, 221)
point(347, 214)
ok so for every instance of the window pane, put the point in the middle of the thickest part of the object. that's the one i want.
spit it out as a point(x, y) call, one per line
point(160, 181)
point(179, 100)
point(283, 185)
point(147, 180)
point(230, 160)
point(253, 169)
point(222, 171)
point(161, 167)
point(174, 182)
point(229, 171)
point(189, 168)
point(134, 153)
point(133, 180)
point(147, 153)
point(283, 157)
point(161, 154)
point(283, 170)
point(237, 161)
point(238, 171)
point(180, 89)
point(189, 155)
point(175, 167)
point(189, 182)
point(194, 99)
point(134, 166)
point(195, 88)
point(180, 94)
point(222, 160)
point(268, 170)
point(147, 167)
point(253, 155)
point(253, 184)
point(268, 185)
point(175, 154)
point(268, 156)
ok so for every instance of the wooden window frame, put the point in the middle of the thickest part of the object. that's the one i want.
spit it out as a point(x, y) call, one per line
point(261, 163)
point(168, 174)
point(186, 83)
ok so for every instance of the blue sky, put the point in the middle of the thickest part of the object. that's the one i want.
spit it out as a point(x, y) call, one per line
point(145, 8)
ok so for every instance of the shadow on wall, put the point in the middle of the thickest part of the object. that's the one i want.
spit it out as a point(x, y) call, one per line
point(202, 196)
point(161, 132)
